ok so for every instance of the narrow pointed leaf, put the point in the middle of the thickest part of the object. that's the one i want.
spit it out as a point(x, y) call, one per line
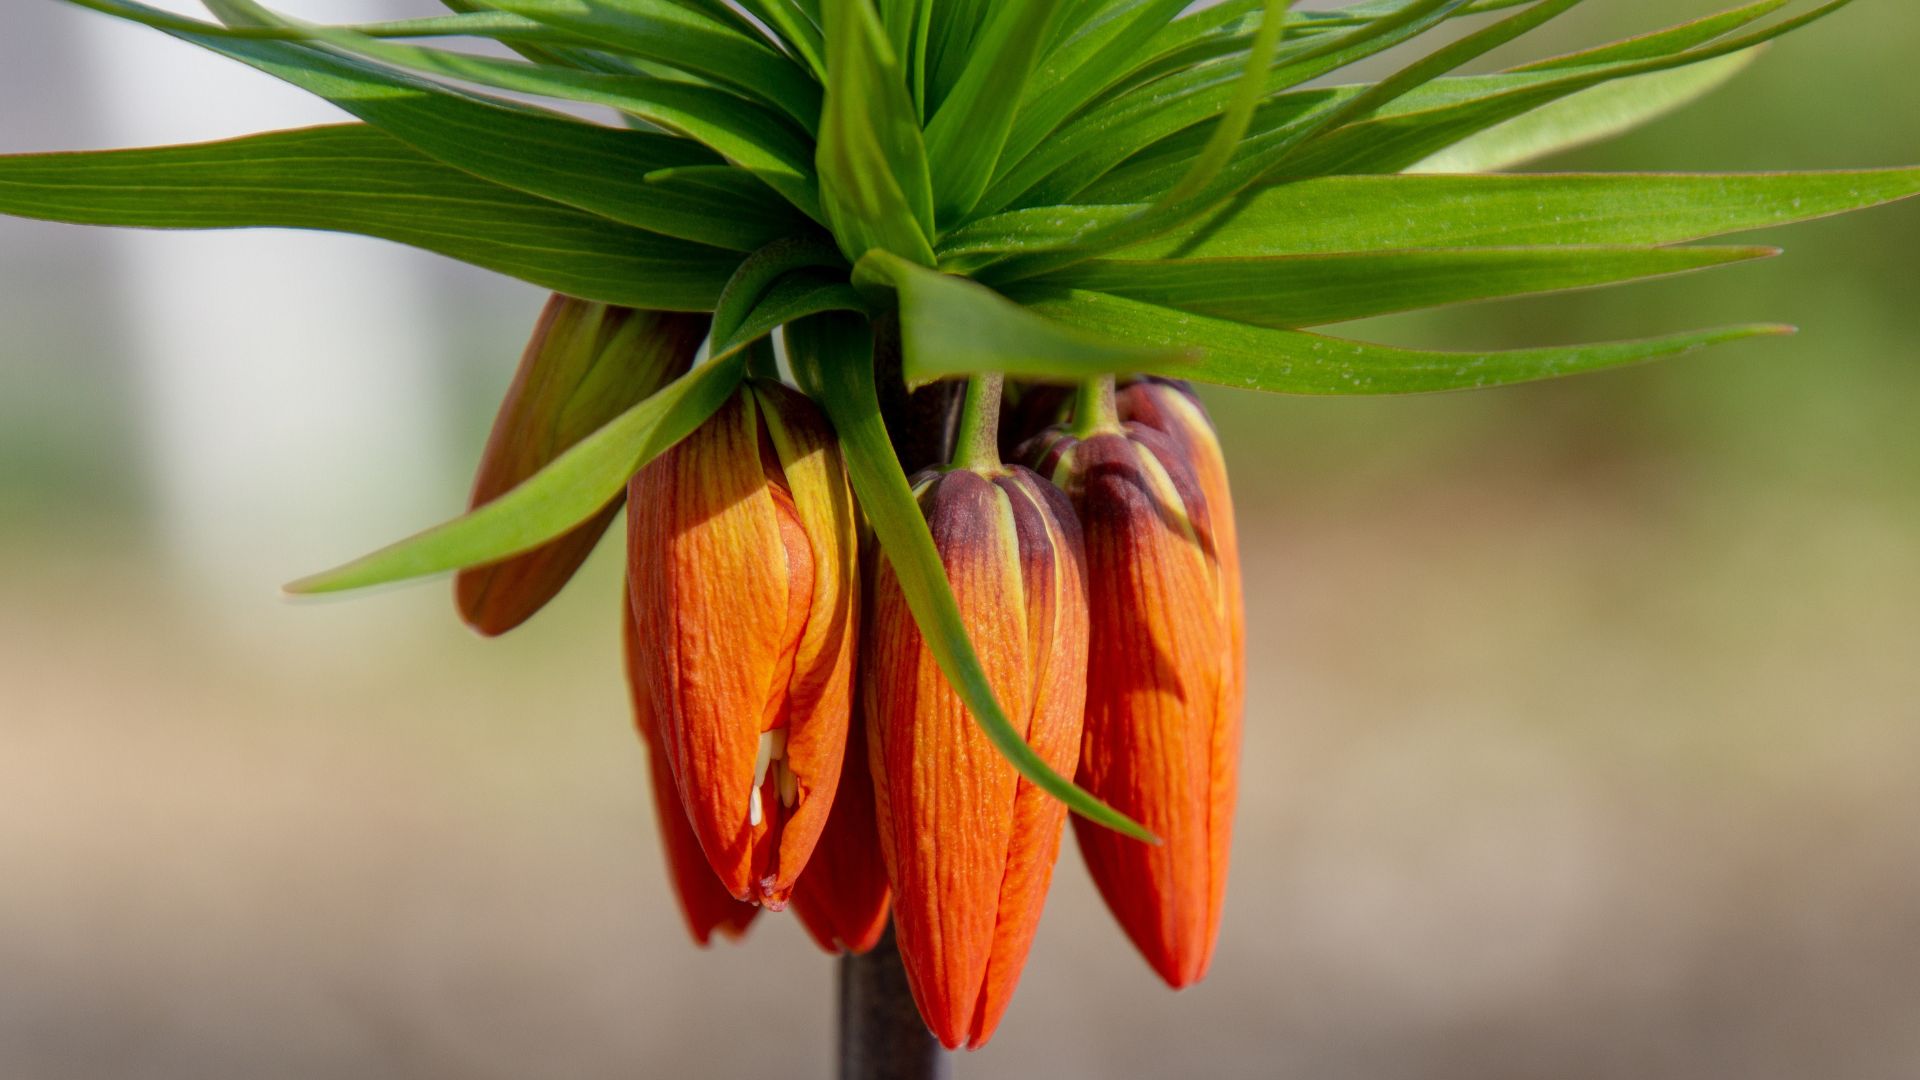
point(834, 358)
point(595, 168)
point(965, 136)
point(676, 36)
point(742, 133)
point(1586, 117)
point(873, 168)
point(356, 179)
point(952, 326)
point(1293, 362)
point(1313, 290)
point(1384, 213)
point(1337, 214)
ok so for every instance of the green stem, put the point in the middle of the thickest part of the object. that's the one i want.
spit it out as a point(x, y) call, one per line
point(978, 446)
point(1093, 408)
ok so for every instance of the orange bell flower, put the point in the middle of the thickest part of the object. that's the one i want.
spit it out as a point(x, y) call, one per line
point(705, 903)
point(741, 567)
point(1161, 742)
point(969, 844)
point(586, 364)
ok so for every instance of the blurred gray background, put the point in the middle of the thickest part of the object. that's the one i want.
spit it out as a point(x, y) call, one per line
point(1580, 740)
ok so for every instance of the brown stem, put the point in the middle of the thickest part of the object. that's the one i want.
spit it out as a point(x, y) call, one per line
point(881, 1034)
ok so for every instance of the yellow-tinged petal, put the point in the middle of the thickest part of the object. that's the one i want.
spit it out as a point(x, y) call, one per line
point(740, 556)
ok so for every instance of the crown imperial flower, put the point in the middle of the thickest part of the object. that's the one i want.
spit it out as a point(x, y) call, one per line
point(1162, 720)
point(909, 194)
point(740, 557)
point(970, 845)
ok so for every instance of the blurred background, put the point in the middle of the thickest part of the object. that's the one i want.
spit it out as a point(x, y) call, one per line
point(1580, 740)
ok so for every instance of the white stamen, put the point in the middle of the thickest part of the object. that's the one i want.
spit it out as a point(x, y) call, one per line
point(755, 815)
point(789, 784)
point(762, 758)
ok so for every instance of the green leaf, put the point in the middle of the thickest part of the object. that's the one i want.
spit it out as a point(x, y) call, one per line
point(1232, 126)
point(1336, 214)
point(833, 357)
point(1091, 60)
point(1665, 42)
point(756, 141)
point(801, 34)
point(598, 169)
point(356, 179)
point(953, 326)
point(1313, 290)
point(1293, 362)
point(874, 183)
point(1385, 213)
point(676, 36)
point(1588, 116)
point(966, 135)
point(1110, 133)
point(580, 482)
point(1391, 143)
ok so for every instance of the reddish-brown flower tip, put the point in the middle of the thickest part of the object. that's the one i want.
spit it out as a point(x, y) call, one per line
point(969, 844)
point(586, 364)
point(741, 566)
point(704, 902)
point(1162, 725)
point(842, 897)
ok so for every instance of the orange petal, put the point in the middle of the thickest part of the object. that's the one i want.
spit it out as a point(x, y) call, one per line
point(1158, 693)
point(739, 553)
point(586, 363)
point(969, 845)
point(1173, 409)
point(704, 902)
point(842, 897)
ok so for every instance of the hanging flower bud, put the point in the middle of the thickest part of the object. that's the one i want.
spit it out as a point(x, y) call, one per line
point(842, 897)
point(969, 844)
point(1172, 408)
point(705, 903)
point(586, 364)
point(1162, 723)
point(741, 565)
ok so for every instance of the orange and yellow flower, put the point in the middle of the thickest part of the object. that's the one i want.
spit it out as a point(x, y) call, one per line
point(969, 844)
point(1161, 741)
point(741, 563)
point(586, 364)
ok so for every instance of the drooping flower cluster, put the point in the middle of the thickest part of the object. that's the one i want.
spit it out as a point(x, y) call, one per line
point(864, 708)
point(805, 746)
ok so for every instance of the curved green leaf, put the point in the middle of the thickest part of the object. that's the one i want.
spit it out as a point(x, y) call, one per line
point(874, 184)
point(952, 326)
point(834, 358)
point(744, 134)
point(677, 36)
point(965, 136)
point(357, 179)
point(580, 482)
point(1588, 116)
point(599, 169)
point(1294, 362)
point(1313, 290)
point(1336, 214)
